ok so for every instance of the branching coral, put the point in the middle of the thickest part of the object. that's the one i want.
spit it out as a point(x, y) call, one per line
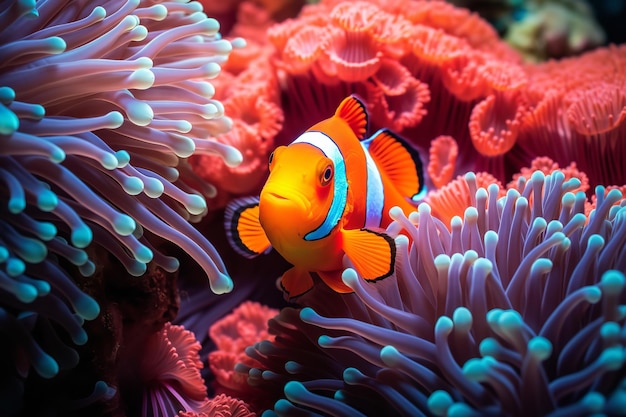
point(527, 295)
point(101, 104)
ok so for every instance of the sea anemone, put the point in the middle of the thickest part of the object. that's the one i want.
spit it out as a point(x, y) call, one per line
point(515, 309)
point(100, 105)
point(248, 90)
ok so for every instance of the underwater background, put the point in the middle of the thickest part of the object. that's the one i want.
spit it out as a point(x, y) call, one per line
point(126, 127)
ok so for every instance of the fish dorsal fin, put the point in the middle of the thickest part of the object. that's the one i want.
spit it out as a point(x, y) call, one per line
point(398, 160)
point(352, 110)
point(372, 253)
point(243, 229)
point(296, 281)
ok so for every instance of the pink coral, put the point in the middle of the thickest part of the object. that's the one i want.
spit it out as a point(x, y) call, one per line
point(577, 112)
point(547, 166)
point(424, 68)
point(170, 372)
point(451, 200)
point(222, 406)
point(442, 160)
point(245, 326)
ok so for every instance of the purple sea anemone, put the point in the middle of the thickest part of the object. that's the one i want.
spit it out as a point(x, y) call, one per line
point(517, 309)
point(100, 107)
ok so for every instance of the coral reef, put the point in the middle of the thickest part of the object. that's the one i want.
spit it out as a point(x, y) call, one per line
point(117, 134)
point(425, 69)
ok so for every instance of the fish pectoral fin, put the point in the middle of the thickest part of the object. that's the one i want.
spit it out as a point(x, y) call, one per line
point(296, 281)
point(372, 253)
point(398, 160)
point(243, 229)
point(333, 280)
point(353, 111)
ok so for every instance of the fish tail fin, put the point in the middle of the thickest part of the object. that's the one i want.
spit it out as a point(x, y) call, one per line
point(372, 253)
point(243, 229)
point(398, 160)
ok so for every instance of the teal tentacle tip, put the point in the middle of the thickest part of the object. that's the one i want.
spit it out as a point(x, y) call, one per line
point(9, 122)
point(439, 402)
point(144, 254)
point(109, 161)
point(124, 225)
point(352, 376)
point(7, 95)
point(489, 347)
point(47, 200)
point(15, 267)
point(87, 307)
point(476, 369)
point(594, 402)
point(390, 356)
point(81, 236)
point(87, 269)
point(462, 319)
point(222, 284)
point(324, 340)
point(123, 158)
point(46, 366)
point(196, 204)
point(17, 204)
point(444, 325)
point(132, 185)
point(613, 282)
point(540, 348)
point(461, 410)
point(307, 314)
point(612, 358)
point(46, 231)
point(26, 293)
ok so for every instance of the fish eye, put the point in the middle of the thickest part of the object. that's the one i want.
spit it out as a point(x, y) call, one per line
point(327, 175)
point(271, 158)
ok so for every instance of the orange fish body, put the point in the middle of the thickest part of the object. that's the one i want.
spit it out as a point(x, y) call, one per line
point(328, 195)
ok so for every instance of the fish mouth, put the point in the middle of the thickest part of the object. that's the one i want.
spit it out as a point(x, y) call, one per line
point(286, 197)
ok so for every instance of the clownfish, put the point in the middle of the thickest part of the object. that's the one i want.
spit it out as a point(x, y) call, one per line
point(328, 194)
